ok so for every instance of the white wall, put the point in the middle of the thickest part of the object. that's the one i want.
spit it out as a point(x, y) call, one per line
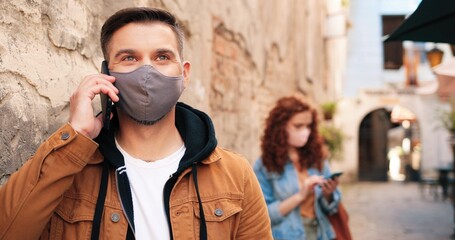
point(398, 7)
point(364, 61)
point(365, 54)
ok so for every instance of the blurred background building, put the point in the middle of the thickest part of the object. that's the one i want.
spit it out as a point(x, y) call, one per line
point(391, 110)
point(244, 55)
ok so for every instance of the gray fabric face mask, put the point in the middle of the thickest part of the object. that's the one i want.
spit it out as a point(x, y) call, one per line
point(146, 95)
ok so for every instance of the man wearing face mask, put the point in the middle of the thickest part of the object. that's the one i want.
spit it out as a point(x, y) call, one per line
point(155, 173)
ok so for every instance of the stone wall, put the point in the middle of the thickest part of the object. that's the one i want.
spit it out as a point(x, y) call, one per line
point(244, 55)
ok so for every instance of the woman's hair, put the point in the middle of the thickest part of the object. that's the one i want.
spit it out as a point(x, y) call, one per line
point(274, 142)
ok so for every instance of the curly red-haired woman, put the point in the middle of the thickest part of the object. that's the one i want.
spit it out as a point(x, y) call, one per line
point(293, 174)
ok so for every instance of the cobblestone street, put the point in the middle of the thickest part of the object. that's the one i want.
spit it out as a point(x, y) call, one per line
point(396, 211)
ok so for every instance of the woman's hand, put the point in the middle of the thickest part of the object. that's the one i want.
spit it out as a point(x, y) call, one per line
point(308, 185)
point(295, 200)
point(328, 187)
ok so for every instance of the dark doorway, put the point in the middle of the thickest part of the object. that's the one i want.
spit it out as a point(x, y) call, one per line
point(373, 161)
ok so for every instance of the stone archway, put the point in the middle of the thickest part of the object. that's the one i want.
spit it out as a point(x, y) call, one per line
point(389, 146)
point(434, 147)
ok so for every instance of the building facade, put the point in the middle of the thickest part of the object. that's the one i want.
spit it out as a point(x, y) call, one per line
point(244, 55)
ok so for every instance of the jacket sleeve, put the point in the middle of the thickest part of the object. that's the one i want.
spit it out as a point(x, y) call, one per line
point(272, 202)
point(255, 222)
point(29, 198)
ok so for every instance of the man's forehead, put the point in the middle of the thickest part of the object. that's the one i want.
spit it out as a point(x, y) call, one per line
point(129, 36)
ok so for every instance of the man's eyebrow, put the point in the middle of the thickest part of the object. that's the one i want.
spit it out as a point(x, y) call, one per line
point(165, 51)
point(132, 51)
point(123, 51)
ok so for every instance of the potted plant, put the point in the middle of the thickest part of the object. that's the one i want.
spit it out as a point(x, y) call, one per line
point(333, 137)
point(448, 119)
point(328, 109)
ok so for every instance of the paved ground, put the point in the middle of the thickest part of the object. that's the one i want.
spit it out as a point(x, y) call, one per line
point(396, 211)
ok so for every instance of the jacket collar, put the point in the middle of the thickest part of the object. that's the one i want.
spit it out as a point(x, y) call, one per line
point(194, 126)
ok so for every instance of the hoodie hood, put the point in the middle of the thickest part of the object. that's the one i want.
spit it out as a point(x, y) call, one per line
point(197, 131)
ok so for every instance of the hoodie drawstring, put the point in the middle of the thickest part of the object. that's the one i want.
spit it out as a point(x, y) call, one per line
point(100, 202)
point(202, 225)
point(102, 197)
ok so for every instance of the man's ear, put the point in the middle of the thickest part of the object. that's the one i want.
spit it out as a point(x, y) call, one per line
point(186, 73)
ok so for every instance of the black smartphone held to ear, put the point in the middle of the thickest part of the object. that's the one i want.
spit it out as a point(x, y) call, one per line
point(335, 175)
point(106, 102)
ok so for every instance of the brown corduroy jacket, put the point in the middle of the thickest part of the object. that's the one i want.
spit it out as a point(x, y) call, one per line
point(53, 196)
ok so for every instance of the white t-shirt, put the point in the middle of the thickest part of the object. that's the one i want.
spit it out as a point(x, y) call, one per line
point(147, 181)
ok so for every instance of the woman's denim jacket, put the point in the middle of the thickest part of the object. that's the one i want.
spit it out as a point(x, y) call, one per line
point(278, 187)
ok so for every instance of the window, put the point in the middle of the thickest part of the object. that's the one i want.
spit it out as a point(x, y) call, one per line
point(393, 51)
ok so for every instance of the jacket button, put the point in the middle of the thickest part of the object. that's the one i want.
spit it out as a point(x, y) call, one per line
point(65, 136)
point(115, 217)
point(219, 212)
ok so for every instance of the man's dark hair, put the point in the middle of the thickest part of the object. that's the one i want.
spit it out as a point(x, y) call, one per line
point(139, 15)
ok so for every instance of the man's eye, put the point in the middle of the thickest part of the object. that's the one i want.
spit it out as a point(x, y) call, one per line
point(162, 58)
point(129, 58)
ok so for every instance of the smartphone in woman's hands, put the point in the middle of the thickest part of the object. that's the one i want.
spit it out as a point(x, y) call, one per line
point(335, 175)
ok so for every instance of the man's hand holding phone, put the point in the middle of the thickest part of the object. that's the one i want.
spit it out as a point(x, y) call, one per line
point(82, 117)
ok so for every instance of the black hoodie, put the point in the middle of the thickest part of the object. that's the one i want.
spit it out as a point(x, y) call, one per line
point(198, 134)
